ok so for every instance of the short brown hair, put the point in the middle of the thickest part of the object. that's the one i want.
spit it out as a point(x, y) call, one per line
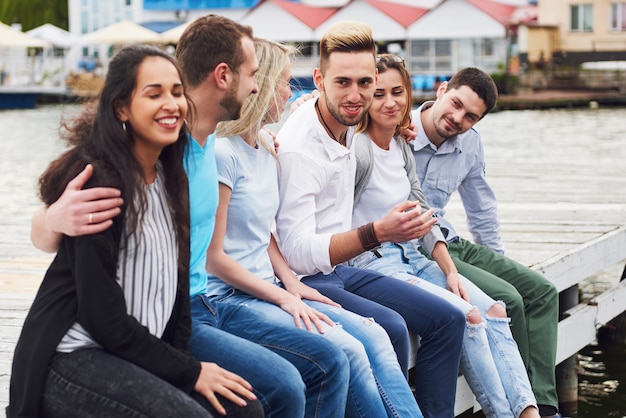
point(480, 82)
point(346, 36)
point(207, 42)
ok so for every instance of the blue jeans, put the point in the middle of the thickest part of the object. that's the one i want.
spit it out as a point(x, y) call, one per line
point(219, 333)
point(92, 382)
point(396, 305)
point(532, 303)
point(490, 360)
point(377, 385)
point(276, 382)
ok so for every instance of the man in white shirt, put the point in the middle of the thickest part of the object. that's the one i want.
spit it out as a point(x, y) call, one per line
point(316, 183)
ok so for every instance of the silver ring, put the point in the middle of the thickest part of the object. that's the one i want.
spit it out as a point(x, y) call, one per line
point(90, 218)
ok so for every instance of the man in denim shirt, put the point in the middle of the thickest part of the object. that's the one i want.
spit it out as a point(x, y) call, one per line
point(449, 156)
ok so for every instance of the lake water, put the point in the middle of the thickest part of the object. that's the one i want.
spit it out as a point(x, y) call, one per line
point(29, 141)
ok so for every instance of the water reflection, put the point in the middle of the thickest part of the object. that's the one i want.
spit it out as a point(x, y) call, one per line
point(600, 391)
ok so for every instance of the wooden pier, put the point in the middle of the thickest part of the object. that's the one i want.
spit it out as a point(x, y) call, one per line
point(563, 212)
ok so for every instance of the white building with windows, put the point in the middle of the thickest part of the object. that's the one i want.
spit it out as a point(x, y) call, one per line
point(436, 37)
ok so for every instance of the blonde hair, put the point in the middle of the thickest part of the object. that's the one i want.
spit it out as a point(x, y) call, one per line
point(346, 36)
point(273, 58)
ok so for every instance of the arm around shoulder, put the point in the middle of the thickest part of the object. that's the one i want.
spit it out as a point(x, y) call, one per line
point(78, 211)
point(41, 236)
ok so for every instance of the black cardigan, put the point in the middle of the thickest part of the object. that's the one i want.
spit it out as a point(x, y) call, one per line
point(80, 285)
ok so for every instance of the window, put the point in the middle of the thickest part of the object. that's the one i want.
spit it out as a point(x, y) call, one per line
point(443, 47)
point(84, 21)
point(430, 55)
point(618, 16)
point(581, 18)
point(488, 48)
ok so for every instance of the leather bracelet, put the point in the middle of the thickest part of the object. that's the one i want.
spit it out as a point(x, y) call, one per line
point(367, 236)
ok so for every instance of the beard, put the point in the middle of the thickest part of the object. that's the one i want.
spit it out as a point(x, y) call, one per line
point(443, 129)
point(336, 113)
point(231, 104)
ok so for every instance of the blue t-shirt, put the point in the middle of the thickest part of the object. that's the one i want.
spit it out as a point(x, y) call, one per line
point(203, 198)
point(251, 174)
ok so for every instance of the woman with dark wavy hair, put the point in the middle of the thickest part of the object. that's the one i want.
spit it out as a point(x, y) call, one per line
point(108, 331)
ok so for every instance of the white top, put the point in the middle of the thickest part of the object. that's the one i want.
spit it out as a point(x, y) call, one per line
point(316, 184)
point(388, 179)
point(147, 270)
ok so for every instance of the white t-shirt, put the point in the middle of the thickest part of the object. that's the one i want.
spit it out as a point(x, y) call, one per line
point(388, 180)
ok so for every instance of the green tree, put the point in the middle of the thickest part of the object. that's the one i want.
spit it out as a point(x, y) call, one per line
point(33, 13)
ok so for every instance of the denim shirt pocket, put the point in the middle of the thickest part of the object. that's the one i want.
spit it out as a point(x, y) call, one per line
point(445, 186)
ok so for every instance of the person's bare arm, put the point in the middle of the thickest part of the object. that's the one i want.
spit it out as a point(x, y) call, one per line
point(403, 223)
point(290, 281)
point(444, 261)
point(230, 271)
point(77, 212)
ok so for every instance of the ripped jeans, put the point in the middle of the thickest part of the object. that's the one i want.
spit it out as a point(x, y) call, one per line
point(490, 359)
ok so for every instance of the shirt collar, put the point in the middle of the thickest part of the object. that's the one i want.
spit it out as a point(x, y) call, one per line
point(422, 141)
point(194, 145)
point(333, 149)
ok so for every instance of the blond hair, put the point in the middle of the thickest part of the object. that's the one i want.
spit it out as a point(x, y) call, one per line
point(346, 36)
point(273, 58)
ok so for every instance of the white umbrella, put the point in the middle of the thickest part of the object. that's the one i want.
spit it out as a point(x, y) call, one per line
point(124, 32)
point(173, 35)
point(57, 36)
point(13, 38)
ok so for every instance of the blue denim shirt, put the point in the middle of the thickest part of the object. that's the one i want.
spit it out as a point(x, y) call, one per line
point(458, 164)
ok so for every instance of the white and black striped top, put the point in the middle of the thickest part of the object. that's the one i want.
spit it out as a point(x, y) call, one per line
point(147, 270)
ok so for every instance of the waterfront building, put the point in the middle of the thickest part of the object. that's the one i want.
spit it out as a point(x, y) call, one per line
point(572, 32)
point(436, 37)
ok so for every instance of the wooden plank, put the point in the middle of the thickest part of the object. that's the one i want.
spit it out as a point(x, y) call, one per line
point(579, 328)
point(610, 303)
point(568, 269)
point(576, 331)
point(13, 309)
point(465, 399)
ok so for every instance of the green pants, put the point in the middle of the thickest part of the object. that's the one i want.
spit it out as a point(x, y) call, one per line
point(532, 303)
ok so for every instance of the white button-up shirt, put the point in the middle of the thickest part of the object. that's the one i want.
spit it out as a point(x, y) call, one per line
point(316, 184)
